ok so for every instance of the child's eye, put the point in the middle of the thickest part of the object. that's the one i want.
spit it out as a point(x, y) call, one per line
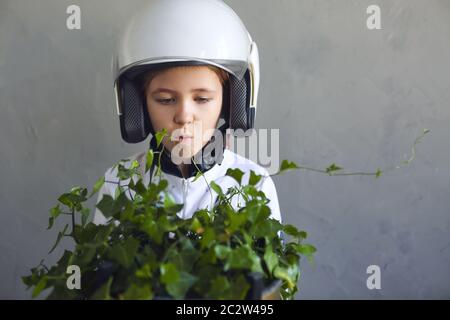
point(165, 101)
point(204, 100)
point(201, 100)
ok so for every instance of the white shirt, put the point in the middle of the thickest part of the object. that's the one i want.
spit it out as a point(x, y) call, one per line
point(196, 195)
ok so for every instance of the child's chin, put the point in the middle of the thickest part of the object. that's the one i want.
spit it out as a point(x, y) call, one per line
point(184, 153)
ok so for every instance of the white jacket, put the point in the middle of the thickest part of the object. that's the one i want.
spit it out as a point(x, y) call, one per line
point(195, 194)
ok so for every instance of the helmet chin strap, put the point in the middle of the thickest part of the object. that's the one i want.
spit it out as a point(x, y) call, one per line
point(204, 160)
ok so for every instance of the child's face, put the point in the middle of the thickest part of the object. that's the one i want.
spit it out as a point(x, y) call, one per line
point(188, 99)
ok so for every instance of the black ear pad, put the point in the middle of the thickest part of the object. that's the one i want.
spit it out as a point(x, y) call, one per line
point(240, 117)
point(134, 121)
point(225, 112)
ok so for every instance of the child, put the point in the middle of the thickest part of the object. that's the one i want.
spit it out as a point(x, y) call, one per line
point(190, 67)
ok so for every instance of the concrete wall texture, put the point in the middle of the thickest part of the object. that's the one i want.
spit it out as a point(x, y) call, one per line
point(337, 91)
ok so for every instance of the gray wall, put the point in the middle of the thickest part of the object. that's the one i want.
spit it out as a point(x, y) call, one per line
point(337, 91)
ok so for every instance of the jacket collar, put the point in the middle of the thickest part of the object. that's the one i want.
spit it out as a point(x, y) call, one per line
point(204, 161)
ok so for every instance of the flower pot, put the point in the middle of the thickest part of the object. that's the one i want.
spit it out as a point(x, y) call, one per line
point(260, 289)
point(263, 290)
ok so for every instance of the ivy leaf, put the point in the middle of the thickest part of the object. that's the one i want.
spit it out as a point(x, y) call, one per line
point(243, 258)
point(66, 200)
point(185, 257)
point(291, 230)
point(207, 239)
point(168, 200)
point(237, 219)
point(74, 197)
point(149, 160)
point(265, 228)
point(84, 215)
point(146, 271)
point(196, 226)
point(86, 234)
point(220, 288)
point(97, 186)
point(138, 187)
point(160, 135)
point(216, 188)
point(138, 292)
point(302, 235)
point(270, 258)
point(106, 205)
point(110, 207)
point(125, 252)
point(170, 206)
point(87, 253)
point(39, 286)
point(287, 165)
point(134, 165)
point(256, 211)
point(124, 173)
point(250, 190)
point(169, 273)
point(378, 173)
point(235, 288)
point(177, 283)
point(54, 213)
point(165, 224)
point(102, 233)
point(178, 290)
point(51, 220)
point(333, 167)
point(151, 228)
point(162, 185)
point(239, 288)
point(289, 275)
point(78, 191)
point(58, 238)
point(237, 174)
point(118, 191)
point(222, 251)
point(306, 249)
point(254, 178)
point(197, 175)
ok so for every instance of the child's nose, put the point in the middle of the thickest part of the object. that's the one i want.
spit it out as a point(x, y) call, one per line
point(184, 112)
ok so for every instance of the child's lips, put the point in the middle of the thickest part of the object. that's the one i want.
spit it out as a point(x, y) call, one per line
point(185, 139)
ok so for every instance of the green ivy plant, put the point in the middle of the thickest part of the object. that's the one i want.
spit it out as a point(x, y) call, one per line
point(145, 251)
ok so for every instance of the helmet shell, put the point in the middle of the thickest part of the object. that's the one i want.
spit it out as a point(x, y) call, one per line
point(184, 32)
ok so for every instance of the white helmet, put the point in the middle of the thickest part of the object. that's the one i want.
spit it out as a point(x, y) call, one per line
point(185, 32)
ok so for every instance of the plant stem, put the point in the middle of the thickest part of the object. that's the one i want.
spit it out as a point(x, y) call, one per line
point(73, 222)
point(378, 173)
point(203, 176)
